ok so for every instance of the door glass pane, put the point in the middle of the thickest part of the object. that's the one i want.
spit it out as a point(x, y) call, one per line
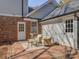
point(21, 27)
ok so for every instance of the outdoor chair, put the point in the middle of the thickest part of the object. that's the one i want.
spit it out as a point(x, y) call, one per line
point(47, 40)
point(39, 39)
point(31, 43)
point(36, 41)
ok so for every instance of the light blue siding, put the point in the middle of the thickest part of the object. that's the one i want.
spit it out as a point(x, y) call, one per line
point(13, 7)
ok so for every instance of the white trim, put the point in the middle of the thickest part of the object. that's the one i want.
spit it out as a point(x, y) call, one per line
point(18, 28)
point(37, 27)
point(2, 14)
point(37, 9)
point(30, 19)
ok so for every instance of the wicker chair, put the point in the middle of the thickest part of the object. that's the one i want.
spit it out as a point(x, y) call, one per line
point(35, 41)
point(38, 39)
point(47, 40)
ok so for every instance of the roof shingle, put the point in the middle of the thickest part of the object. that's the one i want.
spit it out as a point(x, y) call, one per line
point(73, 5)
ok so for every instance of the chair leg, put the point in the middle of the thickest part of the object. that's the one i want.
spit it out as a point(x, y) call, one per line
point(28, 45)
point(31, 44)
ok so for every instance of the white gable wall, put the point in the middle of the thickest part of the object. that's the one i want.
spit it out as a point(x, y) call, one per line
point(57, 31)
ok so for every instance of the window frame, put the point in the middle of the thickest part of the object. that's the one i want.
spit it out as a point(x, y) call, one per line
point(69, 26)
point(36, 27)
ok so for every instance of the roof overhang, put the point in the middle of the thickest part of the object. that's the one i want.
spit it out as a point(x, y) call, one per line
point(58, 19)
point(73, 12)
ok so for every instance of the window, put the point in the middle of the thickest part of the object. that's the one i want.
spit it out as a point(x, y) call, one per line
point(34, 27)
point(69, 26)
point(21, 27)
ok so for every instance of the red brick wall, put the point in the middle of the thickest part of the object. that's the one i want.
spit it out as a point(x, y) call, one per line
point(8, 28)
point(39, 28)
point(28, 29)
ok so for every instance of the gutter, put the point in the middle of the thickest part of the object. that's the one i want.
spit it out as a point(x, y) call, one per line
point(33, 18)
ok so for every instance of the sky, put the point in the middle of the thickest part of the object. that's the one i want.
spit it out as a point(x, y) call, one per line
point(34, 3)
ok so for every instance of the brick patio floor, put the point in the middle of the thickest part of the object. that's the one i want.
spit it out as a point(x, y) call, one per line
point(18, 52)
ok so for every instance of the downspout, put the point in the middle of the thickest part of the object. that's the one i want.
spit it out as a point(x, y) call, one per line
point(22, 10)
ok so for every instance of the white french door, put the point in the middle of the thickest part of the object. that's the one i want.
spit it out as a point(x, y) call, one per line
point(21, 30)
